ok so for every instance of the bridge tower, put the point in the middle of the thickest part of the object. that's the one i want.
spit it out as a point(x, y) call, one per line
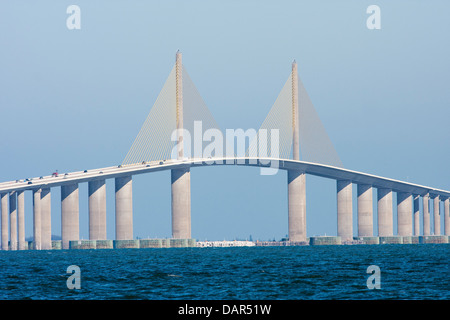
point(180, 178)
point(296, 179)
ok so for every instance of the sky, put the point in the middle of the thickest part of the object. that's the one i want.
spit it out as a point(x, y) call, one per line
point(76, 99)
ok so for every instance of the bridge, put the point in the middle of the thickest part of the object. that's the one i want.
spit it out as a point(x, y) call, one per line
point(164, 143)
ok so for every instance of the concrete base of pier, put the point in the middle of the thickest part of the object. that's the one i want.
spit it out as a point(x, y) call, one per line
point(415, 240)
point(325, 240)
point(82, 244)
point(407, 239)
point(126, 244)
point(391, 240)
point(104, 244)
point(151, 243)
point(165, 243)
point(56, 244)
point(367, 240)
point(433, 239)
point(182, 243)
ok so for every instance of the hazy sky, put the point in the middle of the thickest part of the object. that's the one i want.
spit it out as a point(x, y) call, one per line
point(76, 99)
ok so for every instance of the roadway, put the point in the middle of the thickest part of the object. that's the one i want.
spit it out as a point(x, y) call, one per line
point(316, 169)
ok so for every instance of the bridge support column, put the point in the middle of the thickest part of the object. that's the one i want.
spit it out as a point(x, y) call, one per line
point(344, 210)
point(385, 218)
point(181, 203)
point(404, 214)
point(365, 210)
point(46, 219)
point(4, 207)
point(297, 205)
point(37, 226)
point(13, 220)
point(70, 221)
point(21, 220)
point(416, 216)
point(124, 208)
point(437, 216)
point(97, 210)
point(426, 215)
point(447, 217)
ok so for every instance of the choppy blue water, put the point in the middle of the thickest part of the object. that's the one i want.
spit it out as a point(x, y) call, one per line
point(310, 272)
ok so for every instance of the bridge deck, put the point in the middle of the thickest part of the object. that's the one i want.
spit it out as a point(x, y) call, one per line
point(283, 164)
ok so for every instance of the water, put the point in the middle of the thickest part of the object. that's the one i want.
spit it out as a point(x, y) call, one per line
point(418, 271)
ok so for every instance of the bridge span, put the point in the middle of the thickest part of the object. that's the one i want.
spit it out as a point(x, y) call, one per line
point(12, 201)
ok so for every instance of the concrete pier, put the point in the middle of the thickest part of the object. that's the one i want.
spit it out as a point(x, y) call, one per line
point(404, 214)
point(296, 179)
point(385, 217)
point(46, 219)
point(437, 216)
point(416, 216)
point(124, 208)
point(365, 210)
point(97, 210)
point(447, 217)
point(13, 220)
point(37, 227)
point(23, 245)
point(4, 207)
point(181, 203)
point(180, 178)
point(70, 222)
point(344, 210)
point(426, 215)
point(297, 205)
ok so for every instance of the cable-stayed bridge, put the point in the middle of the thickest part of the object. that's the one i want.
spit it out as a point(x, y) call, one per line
point(180, 133)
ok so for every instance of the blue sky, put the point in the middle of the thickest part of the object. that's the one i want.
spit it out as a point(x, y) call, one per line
point(75, 99)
